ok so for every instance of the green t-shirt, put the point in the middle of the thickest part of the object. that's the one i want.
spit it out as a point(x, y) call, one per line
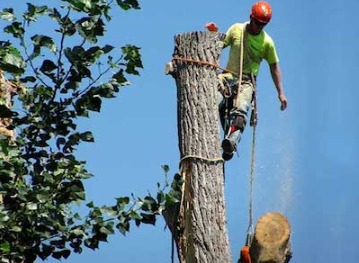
point(260, 46)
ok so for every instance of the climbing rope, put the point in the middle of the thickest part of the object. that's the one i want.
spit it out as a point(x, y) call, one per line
point(190, 156)
point(214, 160)
point(206, 64)
point(251, 178)
point(253, 123)
point(245, 251)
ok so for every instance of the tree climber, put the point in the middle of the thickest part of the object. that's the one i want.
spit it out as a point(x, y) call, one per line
point(256, 45)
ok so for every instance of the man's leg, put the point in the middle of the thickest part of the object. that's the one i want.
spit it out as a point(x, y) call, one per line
point(224, 102)
point(238, 117)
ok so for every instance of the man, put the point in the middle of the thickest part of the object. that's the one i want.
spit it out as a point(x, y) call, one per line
point(257, 45)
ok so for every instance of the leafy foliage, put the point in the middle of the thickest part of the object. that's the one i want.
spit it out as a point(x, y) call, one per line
point(40, 176)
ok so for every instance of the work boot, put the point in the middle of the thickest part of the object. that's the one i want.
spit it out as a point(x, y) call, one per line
point(227, 156)
point(228, 146)
point(229, 143)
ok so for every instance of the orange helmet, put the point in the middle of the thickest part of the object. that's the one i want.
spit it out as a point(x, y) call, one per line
point(262, 11)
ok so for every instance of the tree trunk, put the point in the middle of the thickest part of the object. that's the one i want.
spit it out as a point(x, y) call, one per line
point(271, 239)
point(201, 233)
point(7, 91)
point(198, 223)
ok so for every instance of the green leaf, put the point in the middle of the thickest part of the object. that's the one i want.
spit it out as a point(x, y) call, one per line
point(87, 137)
point(90, 28)
point(148, 218)
point(123, 227)
point(91, 243)
point(90, 205)
point(16, 229)
point(43, 197)
point(72, 191)
point(161, 197)
point(128, 4)
point(28, 79)
point(96, 213)
point(111, 211)
point(149, 204)
point(48, 66)
point(5, 247)
point(81, 5)
point(134, 215)
point(16, 29)
point(31, 206)
point(41, 41)
point(46, 251)
point(166, 168)
point(106, 230)
point(7, 14)
point(92, 54)
point(120, 78)
point(122, 202)
point(107, 48)
point(34, 11)
point(68, 28)
point(5, 112)
point(11, 59)
point(133, 58)
point(106, 90)
point(59, 243)
point(171, 200)
point(88, 102)
point(78, 232)
point(65, 253)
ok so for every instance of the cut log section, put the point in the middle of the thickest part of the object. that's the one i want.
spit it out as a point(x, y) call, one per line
point(271, 241)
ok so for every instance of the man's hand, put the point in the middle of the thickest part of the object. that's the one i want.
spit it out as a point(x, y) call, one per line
point(211, 26)
point(283, 101)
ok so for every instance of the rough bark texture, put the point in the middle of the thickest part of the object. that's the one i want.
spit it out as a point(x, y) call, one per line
point(7, 91)
point(198, 223)
point(271, 242)
point(201, 232)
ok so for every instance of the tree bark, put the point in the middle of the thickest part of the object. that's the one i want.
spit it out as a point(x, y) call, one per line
point(271, 242)
point(7, 92)
point(201, 231)
point(198, 224)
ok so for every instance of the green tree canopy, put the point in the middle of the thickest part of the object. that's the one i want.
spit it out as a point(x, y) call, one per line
point(61, 75)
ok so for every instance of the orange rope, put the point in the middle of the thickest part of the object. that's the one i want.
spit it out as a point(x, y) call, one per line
point(205, 63)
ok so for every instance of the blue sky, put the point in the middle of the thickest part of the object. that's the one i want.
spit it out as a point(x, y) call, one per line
point(306, 156)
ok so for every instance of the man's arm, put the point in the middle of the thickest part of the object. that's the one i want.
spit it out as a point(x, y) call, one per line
point(277, 80)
